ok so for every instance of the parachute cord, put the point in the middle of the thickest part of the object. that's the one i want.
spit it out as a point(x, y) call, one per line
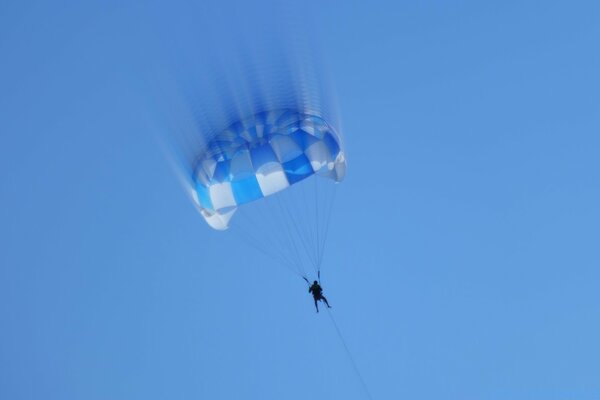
point(317, 266)
point(271, 251)
point(358, 374)
point(279, 258)
point(290, 236)
point(321, 252)
point(300, 237)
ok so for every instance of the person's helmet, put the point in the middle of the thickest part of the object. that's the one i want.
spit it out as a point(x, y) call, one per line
point(315, 283)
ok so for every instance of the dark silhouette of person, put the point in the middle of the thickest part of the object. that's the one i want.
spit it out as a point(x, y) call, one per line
point(317, 292)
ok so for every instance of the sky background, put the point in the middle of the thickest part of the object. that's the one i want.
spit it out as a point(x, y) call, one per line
point(463, 258)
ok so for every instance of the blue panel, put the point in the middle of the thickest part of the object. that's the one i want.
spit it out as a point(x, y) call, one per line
point(262, 155)
point(237, 127)
point(286, 116)
point(260, 118)
point(267, 130)
point(303, 139)
point(332, 145)
point(250, 134)
point(246, 190)
point(222, 150)
point(220, 145)
point(221, 172)
point(204, 196)
point(297, 169)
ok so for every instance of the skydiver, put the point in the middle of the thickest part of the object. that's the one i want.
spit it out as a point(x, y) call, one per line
point(317, 292)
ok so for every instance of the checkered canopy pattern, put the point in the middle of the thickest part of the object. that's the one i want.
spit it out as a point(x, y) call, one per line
point(260, 156)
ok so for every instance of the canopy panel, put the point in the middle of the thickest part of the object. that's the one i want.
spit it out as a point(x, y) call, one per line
point(262, 155)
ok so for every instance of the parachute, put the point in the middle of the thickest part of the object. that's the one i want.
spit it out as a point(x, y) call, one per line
point(273, 155)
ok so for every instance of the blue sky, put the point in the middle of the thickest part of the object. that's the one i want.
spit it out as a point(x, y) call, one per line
point(463, 255)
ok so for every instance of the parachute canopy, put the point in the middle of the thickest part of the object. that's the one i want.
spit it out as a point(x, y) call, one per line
point(260, 156)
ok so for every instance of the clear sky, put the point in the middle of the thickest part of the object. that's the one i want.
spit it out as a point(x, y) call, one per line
point(463, 259)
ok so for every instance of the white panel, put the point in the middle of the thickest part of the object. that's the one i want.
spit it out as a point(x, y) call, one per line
point(309, 127)
point(201, 177)
point(221, 195)
point(285, 148)
point(209, 166)
point(260, 130)
point(272, 116)
point(216, 220)
point(247, 135)
point(340, 167)
point(318, 155)
point(228, 135)
point(271, 178)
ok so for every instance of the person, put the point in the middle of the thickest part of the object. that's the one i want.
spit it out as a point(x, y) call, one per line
point(317, 292)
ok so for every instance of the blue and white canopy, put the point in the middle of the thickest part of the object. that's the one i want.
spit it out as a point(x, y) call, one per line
point(260, 156)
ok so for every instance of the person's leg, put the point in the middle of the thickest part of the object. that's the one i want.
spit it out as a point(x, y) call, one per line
point(316, 306)
point(325, 300)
